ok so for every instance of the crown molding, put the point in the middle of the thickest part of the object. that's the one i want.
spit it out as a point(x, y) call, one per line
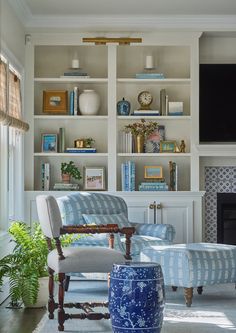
point(137, 23)
point(121, 23)
point(22, 11)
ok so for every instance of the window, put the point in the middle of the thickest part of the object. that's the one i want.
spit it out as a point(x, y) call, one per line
point(11, 145)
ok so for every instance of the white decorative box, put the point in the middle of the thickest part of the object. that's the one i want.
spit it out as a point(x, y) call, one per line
point(176, 108)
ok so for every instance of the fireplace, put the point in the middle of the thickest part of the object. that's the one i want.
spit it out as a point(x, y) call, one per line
point(226, 218)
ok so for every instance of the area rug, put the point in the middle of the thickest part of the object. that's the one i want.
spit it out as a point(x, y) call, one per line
point(212, 312)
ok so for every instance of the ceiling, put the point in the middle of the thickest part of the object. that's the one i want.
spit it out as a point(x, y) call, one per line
point(126, 13)
point(131, 7)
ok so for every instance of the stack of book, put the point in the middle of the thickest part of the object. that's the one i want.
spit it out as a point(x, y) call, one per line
point(128, 176)
point(126, 142)
point(81, 150)
point(66, 187)
point(150, 76)
point(45, 176)
point(153, 186)
point(76, 74)
point(146, 113)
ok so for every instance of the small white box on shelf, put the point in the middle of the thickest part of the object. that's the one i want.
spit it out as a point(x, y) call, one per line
point(176, 108)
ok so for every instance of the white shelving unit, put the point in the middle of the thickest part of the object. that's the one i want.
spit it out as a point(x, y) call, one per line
point(112, 70)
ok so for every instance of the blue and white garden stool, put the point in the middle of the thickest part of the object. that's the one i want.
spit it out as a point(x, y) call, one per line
point(136, 297)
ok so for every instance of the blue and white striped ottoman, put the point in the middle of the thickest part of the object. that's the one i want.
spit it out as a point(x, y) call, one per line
point(193, 265)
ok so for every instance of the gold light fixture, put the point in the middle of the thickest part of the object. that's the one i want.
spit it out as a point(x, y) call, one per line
point(105, 40)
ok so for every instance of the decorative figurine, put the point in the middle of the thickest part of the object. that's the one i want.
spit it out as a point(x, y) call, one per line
point(182, 147)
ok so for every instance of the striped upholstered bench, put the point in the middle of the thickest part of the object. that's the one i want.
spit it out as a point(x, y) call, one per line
point(194, 265)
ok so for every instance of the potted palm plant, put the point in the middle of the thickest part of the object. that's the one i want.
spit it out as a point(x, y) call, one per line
point(26, 266)
point(68, 171)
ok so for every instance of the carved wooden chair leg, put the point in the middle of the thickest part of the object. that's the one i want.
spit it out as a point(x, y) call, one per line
point(200, 290)
point(67, 282)
point(51, 302)
point(174, 288)
point(61, 311)
point(188, 295)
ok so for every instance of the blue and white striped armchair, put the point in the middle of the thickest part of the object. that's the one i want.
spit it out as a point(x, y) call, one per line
point(99, 208)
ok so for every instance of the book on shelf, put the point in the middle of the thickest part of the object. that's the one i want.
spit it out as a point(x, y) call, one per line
point(173, 169)
point(162, 102)
point(128, 176)
point(126, 142)
point(146, 113)
point(45, 176)
point(75, 101)
point(80, 150)
point(66, 187)
point(74, 73)
point(61, 140)
point(142, 188)
point(75, 76)
point(149, 76)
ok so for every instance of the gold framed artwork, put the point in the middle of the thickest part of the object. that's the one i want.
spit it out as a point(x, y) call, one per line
point(168, 147)
point(153, 171)
point(94, 178)
point(55, 101)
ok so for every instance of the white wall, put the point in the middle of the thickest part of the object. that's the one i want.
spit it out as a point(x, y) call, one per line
point(12, 32)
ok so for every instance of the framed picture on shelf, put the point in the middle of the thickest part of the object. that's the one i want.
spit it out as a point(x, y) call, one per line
point(168, 147)
point(154, 171)
point(49, 143)
point(94, 178)
point(55, 101)
point(152, 143)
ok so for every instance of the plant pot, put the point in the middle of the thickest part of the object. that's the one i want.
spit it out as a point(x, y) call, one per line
point(65, 178)
point(42, 298)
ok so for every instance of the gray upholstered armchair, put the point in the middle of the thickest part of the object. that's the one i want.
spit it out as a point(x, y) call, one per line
point(99, 208)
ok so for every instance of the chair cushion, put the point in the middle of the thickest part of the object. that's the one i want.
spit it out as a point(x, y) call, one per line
point(85, 260)
point(120, 219)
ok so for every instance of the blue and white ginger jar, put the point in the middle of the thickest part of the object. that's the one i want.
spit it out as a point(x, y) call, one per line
point(123, 107)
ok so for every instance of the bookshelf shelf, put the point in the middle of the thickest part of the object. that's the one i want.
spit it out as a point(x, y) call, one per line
point(72, 118)
point(154, 81)
point(71, 154)
point(70, 80)
point(157, 155)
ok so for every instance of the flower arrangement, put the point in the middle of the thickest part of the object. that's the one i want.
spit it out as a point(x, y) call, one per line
point(143, 127)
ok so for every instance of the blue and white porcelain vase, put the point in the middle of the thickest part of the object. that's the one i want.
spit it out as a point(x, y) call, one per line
point(136, 297)
point(123, 107)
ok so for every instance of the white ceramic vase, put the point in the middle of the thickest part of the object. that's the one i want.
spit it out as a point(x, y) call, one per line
point(89, 102)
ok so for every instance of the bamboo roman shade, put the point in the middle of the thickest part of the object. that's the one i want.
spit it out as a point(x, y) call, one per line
point(10, 99)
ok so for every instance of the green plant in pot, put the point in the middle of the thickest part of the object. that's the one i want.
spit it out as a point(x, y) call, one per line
point(28, 262)
point(70, 170)
point(89, 142)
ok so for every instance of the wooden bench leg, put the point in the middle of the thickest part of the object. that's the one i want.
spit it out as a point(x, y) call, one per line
point(188, 295)
point(200, 290)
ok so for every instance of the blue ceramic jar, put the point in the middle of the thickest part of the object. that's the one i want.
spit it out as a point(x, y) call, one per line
point(123, 107)
point(136, 298)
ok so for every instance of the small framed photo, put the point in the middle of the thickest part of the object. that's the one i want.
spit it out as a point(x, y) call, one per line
point(55, 101)
point(94, 178)
point(154, 171)
point(168, 146)
point(49, 143)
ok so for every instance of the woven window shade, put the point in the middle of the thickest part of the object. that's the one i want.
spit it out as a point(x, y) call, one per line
point(13, 118)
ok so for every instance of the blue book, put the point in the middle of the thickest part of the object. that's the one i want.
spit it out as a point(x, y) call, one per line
point(149, 76)
point(71, 106)
point(84, 151)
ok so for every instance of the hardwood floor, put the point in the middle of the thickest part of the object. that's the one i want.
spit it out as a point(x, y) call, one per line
point(19, 320)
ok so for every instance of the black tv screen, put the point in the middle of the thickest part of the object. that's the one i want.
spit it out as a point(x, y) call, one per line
point(217, 104)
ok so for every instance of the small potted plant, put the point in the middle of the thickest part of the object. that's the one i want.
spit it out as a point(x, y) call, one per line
point(89, 142)
point(68, 171)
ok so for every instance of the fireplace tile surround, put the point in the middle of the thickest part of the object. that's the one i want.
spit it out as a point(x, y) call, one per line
point(220, 179)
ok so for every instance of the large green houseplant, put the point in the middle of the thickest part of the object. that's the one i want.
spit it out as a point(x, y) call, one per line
point(27, 262)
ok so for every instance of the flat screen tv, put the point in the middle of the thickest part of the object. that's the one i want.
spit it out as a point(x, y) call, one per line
point(217, 104)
